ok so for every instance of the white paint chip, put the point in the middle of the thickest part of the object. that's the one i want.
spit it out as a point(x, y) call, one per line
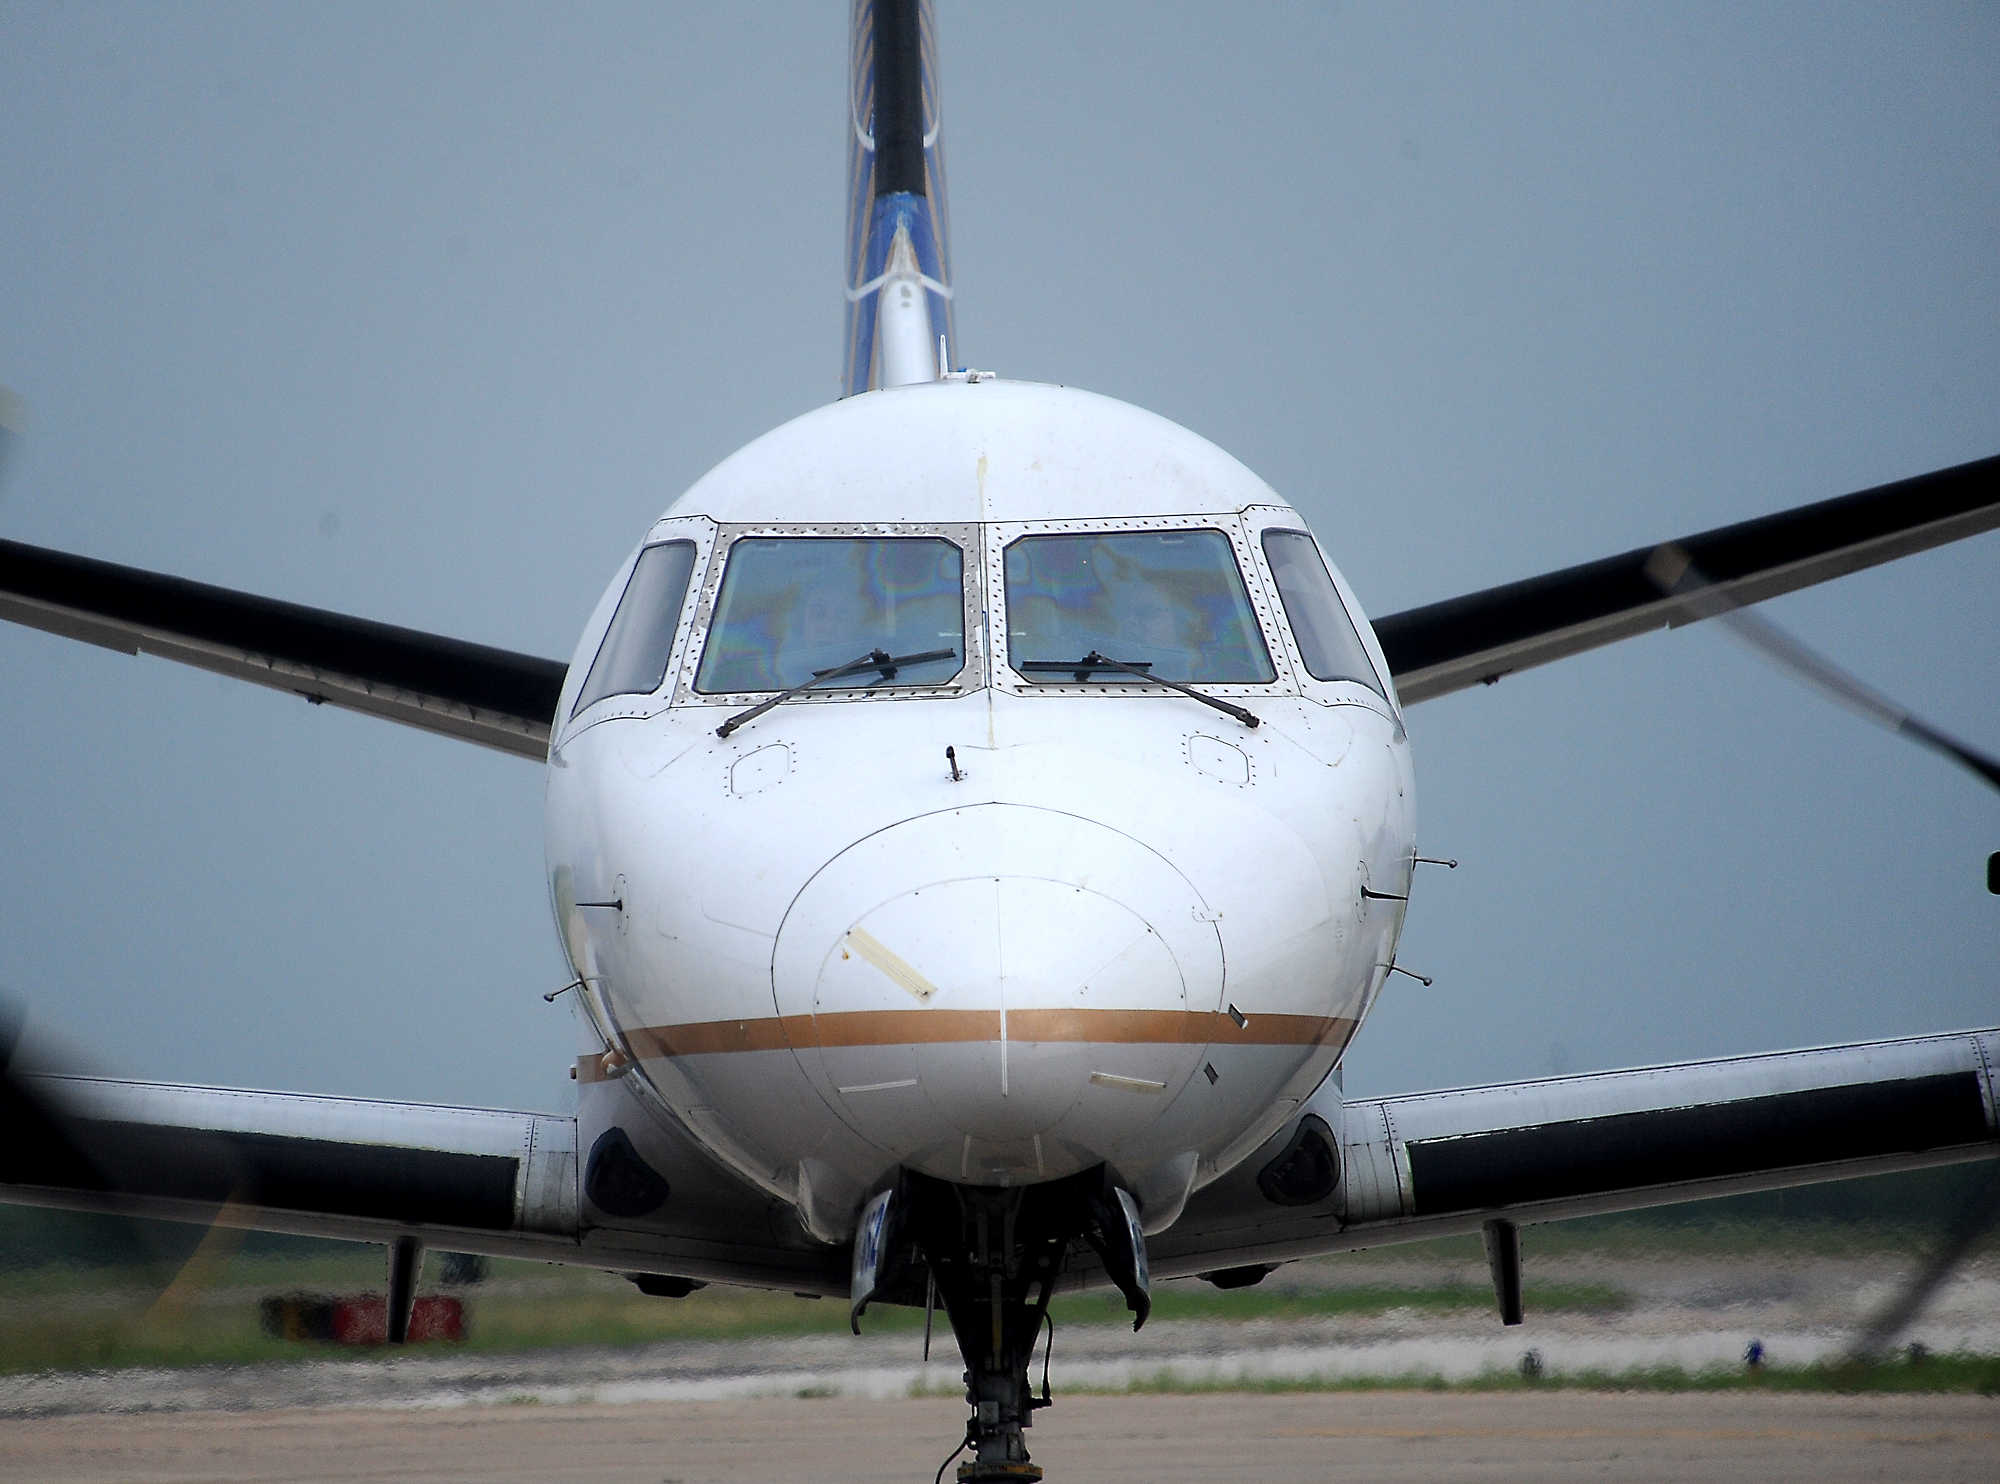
point(1126, 1084)
point(890, 963)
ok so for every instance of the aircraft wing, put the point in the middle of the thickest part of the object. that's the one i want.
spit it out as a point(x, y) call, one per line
point(1477, 638)
point(461, 1179)
point(470, 691)
point(1443, 1163)
point(1409, 1168)
point(507, 700)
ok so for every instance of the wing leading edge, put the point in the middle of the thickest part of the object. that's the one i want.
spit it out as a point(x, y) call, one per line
point(1477, 638)
point(469, 691)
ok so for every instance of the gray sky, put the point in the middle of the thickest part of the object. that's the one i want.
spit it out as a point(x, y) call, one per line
point(421, 313)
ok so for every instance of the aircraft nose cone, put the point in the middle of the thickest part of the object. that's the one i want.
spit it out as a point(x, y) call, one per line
point(981, 1018)
point(1030, 976)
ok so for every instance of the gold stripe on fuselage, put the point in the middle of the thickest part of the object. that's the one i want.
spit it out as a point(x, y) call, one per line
point(938, 1027)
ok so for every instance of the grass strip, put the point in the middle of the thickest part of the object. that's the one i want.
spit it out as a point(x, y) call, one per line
point(1934, 1374)
point(1271, 1301)
point(579, 1309)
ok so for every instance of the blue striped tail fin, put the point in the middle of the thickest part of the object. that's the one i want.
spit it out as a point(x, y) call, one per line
point(899, 322)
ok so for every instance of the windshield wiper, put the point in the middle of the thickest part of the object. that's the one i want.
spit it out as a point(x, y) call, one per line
point(1091, 663)
point(875, 659)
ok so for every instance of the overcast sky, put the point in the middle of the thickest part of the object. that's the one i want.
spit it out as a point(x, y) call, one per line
point(423, 312)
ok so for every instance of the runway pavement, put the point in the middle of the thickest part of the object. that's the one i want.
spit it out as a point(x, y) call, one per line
point(1214, 1439)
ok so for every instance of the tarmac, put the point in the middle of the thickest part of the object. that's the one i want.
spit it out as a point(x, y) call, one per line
point(1213, 1438)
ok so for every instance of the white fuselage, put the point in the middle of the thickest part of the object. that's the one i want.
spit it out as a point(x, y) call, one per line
point(1133, 930)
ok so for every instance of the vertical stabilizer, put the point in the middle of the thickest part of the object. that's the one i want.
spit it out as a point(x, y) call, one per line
point(899, 327)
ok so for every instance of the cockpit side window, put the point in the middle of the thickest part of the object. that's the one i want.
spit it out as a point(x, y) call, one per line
point(1328, 640)
point(632, 660)
point(792, 606)
point(1170, 601)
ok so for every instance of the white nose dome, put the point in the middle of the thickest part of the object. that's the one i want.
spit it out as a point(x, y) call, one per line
point(999, 994)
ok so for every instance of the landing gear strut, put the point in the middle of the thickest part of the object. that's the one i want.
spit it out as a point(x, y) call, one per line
point(995, 1254)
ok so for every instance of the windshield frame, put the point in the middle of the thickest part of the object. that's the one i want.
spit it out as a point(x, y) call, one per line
point(972, 659)
point(1257, 521)
point(1256, 586)
point(701, 531)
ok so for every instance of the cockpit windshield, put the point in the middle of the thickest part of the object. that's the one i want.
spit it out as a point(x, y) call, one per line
point(632, 660)
point(1327, 638)
point(1171, 602)
point(793, 606)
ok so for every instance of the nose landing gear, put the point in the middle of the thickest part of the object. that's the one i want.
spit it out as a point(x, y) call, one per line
point(995, 1254)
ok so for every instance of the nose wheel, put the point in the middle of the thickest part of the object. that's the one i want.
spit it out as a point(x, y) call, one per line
point(995, 1255)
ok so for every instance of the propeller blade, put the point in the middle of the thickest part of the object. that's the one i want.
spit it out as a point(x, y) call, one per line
point(37, 1143)
point(219, 1243)
point(1960, 1240)
point(13, 428)
point(44, 1142)
point(1673, 571)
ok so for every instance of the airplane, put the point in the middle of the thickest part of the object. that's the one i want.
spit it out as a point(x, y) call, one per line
point(971, 884)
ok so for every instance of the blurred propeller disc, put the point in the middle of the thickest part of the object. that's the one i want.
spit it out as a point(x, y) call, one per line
point(1960, 1241)
point(38, 1145)
point(1673, 571)
point(45, 1140)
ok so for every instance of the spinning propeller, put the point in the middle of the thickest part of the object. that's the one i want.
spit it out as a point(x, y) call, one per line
point(1674, 571)
point(1676, 574)
point(1960, 1241)
point(43, 1138)
point(49, 1141)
